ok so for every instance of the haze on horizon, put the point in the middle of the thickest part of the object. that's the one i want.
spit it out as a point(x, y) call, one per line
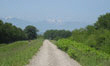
point(60, 11)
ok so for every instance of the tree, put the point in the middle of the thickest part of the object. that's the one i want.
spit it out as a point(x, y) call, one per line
point(79, 35)
point(103, 21)
point(90, 29)
point(97, 35)
point(10, 33)
point(56, 34)
point(31, 32)
point(1, 22)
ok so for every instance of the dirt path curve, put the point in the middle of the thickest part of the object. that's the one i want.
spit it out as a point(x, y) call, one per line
point(50, 55)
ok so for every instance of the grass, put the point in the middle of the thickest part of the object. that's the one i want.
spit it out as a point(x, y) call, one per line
point(53, 41)
point(19, 53)
point(2, 45)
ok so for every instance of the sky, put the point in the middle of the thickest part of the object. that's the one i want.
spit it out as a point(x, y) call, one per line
point(61, 10)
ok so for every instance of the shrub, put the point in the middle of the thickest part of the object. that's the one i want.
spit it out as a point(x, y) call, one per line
point(86, 55)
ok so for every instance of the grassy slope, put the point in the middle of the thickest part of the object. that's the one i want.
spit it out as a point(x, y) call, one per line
point(18, 53)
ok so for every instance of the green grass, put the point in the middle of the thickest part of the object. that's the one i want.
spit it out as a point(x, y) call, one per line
point(2, 45)
point(53, 41)
point(19, 53)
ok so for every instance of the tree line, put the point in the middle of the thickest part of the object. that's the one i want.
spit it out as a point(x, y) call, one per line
point(97, 35)
point(10, 33)
point(57, 34)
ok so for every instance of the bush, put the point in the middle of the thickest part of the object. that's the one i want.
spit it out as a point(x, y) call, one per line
point(86, 55)
point(10, 33)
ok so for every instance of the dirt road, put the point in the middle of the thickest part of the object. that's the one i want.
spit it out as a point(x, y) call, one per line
point(50, 55)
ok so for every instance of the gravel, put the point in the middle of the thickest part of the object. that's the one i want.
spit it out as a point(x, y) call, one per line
point(50, 55)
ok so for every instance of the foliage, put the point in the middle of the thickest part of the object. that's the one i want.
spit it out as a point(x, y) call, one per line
point(56, 34)
point(103, 21)
point(97, 35)
point(19, 53)
point(79, 35)
point(86, 55)
point(10, 33)
point(31, 32)
point(91, 45)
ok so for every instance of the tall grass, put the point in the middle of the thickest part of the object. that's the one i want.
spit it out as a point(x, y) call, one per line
point(18, 53)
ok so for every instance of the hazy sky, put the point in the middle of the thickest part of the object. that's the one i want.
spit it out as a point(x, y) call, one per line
point(64, 10)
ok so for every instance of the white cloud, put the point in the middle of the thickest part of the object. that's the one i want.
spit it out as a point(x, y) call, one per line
point(51, 20)
point(8, 17)
point(59, 21)
point(55, 20)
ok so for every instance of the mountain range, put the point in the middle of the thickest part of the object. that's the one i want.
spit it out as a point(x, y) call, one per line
point(46, 25)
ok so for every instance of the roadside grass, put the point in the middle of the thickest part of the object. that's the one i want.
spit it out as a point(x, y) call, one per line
point(19, 53)
point(92, 60)
point(2, 45)
point(53, 41)
point(85, 55)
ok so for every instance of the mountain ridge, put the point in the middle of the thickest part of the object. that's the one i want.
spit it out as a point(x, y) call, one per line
point(46, 25)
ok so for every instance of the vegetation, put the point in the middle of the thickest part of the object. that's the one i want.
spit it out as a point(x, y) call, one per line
point(97, 35)
point(86, 55)
point(103, 22)
point(19, 53)
point(91, 45)
point(10, 33)
point(56, 34)
point(31, 32)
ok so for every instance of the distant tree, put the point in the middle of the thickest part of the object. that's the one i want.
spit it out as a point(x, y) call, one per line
point(97, 35)
point(31, 32)
point(1, 32)
point(56, 34)
point(10, 33)
point(90, 29)
point(1, 22)
point(103, 21)
point(79, 35)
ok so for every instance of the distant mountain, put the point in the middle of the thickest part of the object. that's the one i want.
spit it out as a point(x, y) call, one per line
point(46, 25)
point(70, 25)
point(15, 21)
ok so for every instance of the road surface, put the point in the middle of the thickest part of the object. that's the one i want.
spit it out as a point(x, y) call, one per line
point(50, 55)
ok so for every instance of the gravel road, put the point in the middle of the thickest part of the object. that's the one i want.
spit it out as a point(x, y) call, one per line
point(50, 55)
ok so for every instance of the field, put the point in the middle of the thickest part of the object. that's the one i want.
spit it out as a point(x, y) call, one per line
point(84, 54)
point(18, 53)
